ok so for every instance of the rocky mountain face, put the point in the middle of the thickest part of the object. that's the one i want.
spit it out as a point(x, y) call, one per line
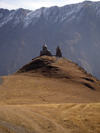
point(75, 28)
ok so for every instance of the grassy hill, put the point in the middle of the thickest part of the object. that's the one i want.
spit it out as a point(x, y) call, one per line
point(50, 94)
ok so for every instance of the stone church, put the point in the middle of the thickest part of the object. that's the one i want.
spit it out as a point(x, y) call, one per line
point(45, 51)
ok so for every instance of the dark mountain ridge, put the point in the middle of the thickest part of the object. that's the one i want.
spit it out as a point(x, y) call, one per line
point(75, 28)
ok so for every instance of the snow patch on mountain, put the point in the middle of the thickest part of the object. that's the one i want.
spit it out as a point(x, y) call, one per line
point(46, 12)
point(19, 16)
point(18, 19)
point(51, 14)
point(32, 17)
point(69, 12)
point(8, 18)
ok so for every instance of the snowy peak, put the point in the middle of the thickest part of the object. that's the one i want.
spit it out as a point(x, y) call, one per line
point(52, 15)
point(6, 16)
point(32, 17)
point(16, 15)
point(77, 11)
point(19, 16)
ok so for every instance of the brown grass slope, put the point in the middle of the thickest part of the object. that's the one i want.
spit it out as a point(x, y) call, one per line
point(62, 68)
point(50, 118)
point(50, 94)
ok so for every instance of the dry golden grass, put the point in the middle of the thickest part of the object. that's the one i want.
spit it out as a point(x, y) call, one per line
point(31, 90)
point(54, 118)
point(40, 102)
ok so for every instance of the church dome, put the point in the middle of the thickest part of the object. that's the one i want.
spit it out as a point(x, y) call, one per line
point(45, 47)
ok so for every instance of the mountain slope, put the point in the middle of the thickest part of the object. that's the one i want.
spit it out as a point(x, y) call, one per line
point(50, 80)
point(50, 94)
point(74, 27)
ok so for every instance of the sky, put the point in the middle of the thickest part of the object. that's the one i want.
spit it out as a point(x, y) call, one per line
point(35, 4)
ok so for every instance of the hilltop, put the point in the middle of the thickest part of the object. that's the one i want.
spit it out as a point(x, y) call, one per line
point(49, 79)
point(50, 94)
point(59, 67)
